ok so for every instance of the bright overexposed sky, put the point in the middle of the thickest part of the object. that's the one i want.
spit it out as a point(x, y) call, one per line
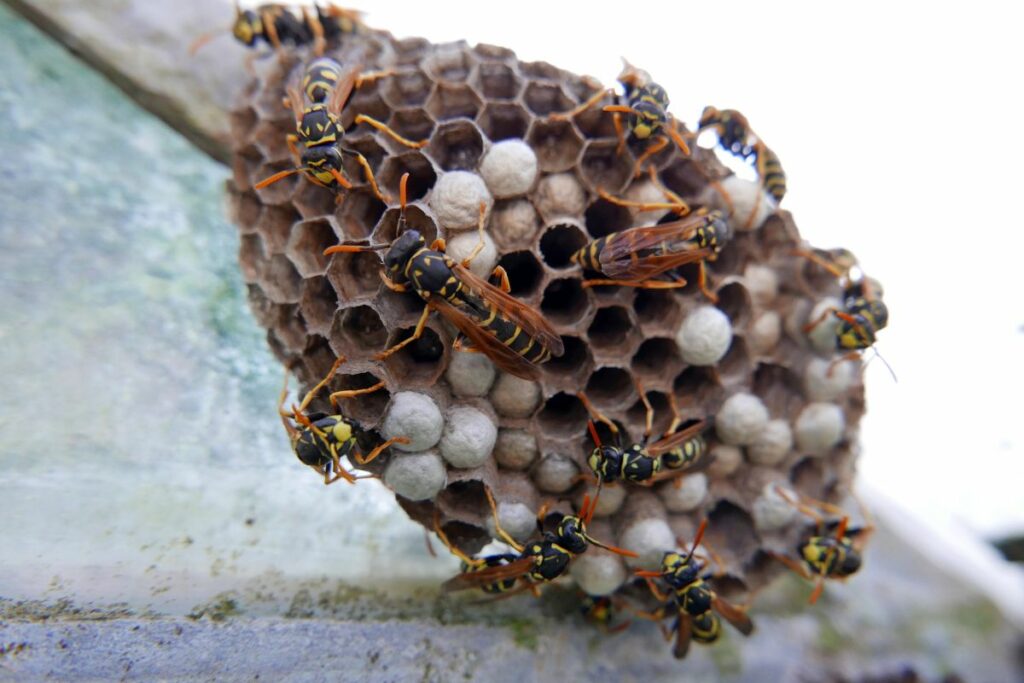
point(899, 128)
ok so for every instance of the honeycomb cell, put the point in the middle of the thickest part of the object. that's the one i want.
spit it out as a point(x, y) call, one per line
point(422, 175)
point(613, 329)
point(354, 276)
point(563, 415)
point(414, 124)
point(407, 89)
point(698, 386)
point(456, 146)
point(242, 122)
point(416, 218)
point(565, 301)
point(730, 526)
point(604, 168)
point(358, 213)
point(657, 361)
point(556, 143)
point(514, 223)
point(411, 50)
point(658, 309)
point(497, 81)
point(808, 476)
point(318, 304)
point(575, 363)
point(449, 63)
point(637, 413)
point(503, 120)
point(371, 150)
point(546, 98)
point(400, 308)
point(244, 209)
point(540, 70)
point(246, 168)
point(452, 101)
point(307, 243)
point(734, 300)
point(559, 195)
point(251, 257)
point(281, 282)
point(367, 101)
point(736, 364)
point(611, 388)
point(684, 177)
point(313, 201)
point(367, 409)
point(524, 272)
point(780, 389)
point(596, 123)
point(421, 362)
point(272, 143)
point(493, 52)
point(603, 218)
point(358, 332)
point(560, 242)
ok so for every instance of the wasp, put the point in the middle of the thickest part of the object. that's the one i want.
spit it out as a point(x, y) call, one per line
point(509, 332)
point(638, 256)
point(641, 463)
point(539, 561)
point(277, 25)
point(863, 312)
point(834, 552)
point(648, 119)
point(603, 611)
point(319, 129)
point(697, 605)
point(319, 440)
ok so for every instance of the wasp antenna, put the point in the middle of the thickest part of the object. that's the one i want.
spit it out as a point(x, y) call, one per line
point(278, 176)
point(841, 530)
point(585, 509)
point(403, 196)
point(201, 41)
point(884, 361)
point(593, 432)
point(697, 538)
point(353, 248)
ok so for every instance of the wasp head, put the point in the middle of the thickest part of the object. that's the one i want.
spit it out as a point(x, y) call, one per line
point(248, 26)
point(572, 534)
point(708, 118)
point(719, 231)
point(650, 117)
point(678, 569)
point(400, 252)
point(606, 462)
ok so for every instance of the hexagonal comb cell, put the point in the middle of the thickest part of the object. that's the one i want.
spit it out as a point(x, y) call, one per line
point(318, 304)
point(358, 213)
point(637, 413)
point(560, 242)
point(407, 89)
point(734, 300)
point(451, 101)
point(414, 124)
point(457, 145)
point(565, 301)
point(657, 361)
point(698, 386)
point(575, 363)
point(281, 281)
point(355, 276)
point(275, 226)
point(604, 218)
point(307, 243)
point(736, 363)
point(610, 388)
point(563, 415)
point(503, 120)
point(313, 201)
point(604, 168)
point(779, 388)
point(422, 361)
point(497, 81)
point(556, 143)
point(449, 62)
point(271, 142)
point(415, 219)
point(546, 98)
point(612, 328)
point(421, 174)
point(358, 331)
point(684, 177)
point(524, 272)
point(366, 408)
point(657, 309)
point(411, 50)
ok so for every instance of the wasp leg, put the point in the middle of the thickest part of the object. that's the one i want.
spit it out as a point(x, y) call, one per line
point(371, 179)
point(470, 561)
point(793, 566)
point(702, 283)
point(819, 261)
point(269, 19)
point(597, 414)
point(384, 128)
point(313, 21)
point(679, 207)
point(851, 356)
point(597, 97)
point(677, 138)
point(439, 245)
point(497, 522)
point(460, 345)
point(658, 595)
point(372, 76)
point(349, 393)
point(362, 460)
point(821, 318)
point(652, 149)
point(393, 286)
point(499, 278)
point(648, 410)
point(339, 471)
point(480, 244)
point(416, 334)
point(315, 390)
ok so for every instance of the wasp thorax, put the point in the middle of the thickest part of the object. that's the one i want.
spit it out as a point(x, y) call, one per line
point(572, 534)
point(247, 27)
point(401, 250)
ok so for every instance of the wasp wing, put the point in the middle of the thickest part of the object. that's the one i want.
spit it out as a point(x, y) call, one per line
point(734, 615)
point(665, 444)
point(343, 89)
point(482, 577)
point(622, 256)
point(683, 631)
point(485, 342)
point(531, 322)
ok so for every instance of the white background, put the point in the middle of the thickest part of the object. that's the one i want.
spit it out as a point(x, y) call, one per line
point(899, 126)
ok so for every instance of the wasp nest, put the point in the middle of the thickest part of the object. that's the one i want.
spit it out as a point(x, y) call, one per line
point(780, 415)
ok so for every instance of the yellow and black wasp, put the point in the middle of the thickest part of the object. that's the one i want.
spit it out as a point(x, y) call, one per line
point(863, 313)
point(320, 440)
point(318, 126)
point(508, 331)
point(278, 26)
point(736, 137)
point(637, 257)
point(641, 463)
point(539, 561)
point(696, 604)
point(603, 611)
point(646, 106)
point(834, 551)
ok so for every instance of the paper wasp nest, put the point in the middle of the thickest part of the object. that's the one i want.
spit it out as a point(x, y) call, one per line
point(780, 416)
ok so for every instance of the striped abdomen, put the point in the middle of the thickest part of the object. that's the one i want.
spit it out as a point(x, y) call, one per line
point(687, 453)
point(507, 331)
point(321, 78)
point(770, 169)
